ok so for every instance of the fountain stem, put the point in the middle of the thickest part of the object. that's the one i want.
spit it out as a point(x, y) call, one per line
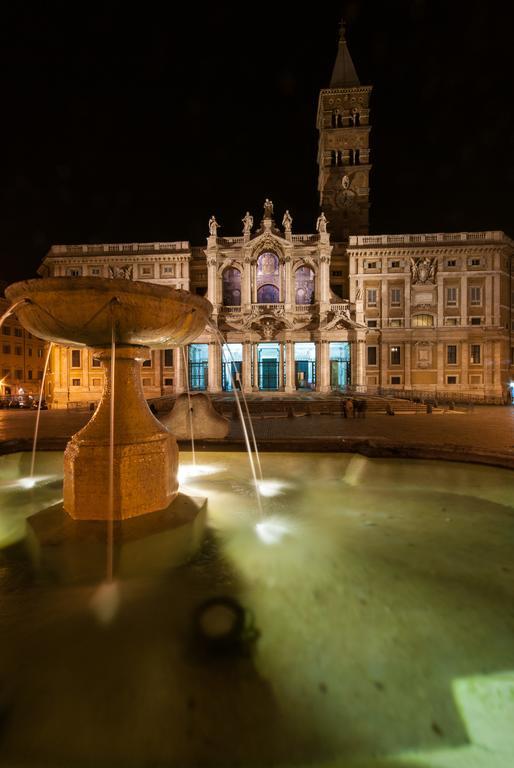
point(145, 453)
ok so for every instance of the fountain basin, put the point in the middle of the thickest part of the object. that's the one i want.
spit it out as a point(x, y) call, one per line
point(375, 585)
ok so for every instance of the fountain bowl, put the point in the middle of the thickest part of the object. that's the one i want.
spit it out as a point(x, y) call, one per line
point(77, 311)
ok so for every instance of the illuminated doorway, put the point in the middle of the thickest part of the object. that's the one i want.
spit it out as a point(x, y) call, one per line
point(340, 377)
point(232, 367)
point(268, 355)
point(198, 366)
point(305, 365)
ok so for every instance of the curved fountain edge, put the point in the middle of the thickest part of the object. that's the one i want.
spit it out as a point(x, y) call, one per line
point(374, 448)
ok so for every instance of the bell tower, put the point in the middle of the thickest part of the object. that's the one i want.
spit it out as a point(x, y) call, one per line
point(343, 148)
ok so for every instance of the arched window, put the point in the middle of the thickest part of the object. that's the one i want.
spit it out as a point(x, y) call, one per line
point(268, 278)
point(304, 285)
point(268, 294)
point(422, 321)
point(231, 287)
point(357, 157)
point(350, 157)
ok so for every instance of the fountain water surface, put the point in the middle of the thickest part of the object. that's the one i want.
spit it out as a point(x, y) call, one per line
point(128, 317)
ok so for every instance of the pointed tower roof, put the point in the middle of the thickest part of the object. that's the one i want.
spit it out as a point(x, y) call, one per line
point(343, 74)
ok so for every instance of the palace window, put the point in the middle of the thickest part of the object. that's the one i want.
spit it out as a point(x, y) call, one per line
point(474, 262)
point(18, 374)
point(371, 297)
point(304, 285)
point(451, 297)
point(475, 354)
point(395, 355)
point(97, 382)
point(422, 321)
point(396, 297)
point(451, 354)
point(451, 263)
point(18, 332)
point(146, 270)
point(372, 323)
point(18, 351)
point(451, 380)
point(75, 358)
point(476, 320)
point(372, 355)
point(6, 330)
point(475, 295)
point(168, 358)
point(168, 382)
point(396, 379)
point(95, 271)
point(95, 363)
point(74, 271)
point(231, 280)
point(75, 382)
point(6, 349)
point(29, 375)
point(395, 265)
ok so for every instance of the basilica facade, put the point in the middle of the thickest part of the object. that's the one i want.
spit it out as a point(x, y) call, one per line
point(333, 309)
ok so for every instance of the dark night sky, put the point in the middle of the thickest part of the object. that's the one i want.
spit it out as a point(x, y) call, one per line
point(136, 124)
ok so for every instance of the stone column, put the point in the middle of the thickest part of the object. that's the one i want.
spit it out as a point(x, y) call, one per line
point(406, 299)
point(464, 364)
point(324, 366)
point(408, 364)
point(440, 365)
point(464, 300)
point(255, 382)
point(384, 364)
point(247, 366)
point(288, 276)
point(212, 279)
point(246, 288)
point(360, 369)
point(384, 303)
point(440, 301)
point(180, 381)
point(214, 367)
point(290, 380)
point(281, 366)
point(488, 300)
point(497, 378)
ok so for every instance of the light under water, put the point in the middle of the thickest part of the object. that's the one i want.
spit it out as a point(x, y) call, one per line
point(370, 589)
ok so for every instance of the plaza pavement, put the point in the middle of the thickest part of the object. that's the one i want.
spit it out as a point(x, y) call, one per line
point(483, 430)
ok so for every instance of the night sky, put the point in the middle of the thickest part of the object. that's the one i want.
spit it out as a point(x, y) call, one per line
point(125, 124)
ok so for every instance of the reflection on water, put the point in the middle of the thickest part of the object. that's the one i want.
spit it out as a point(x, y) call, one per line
point(373, 585)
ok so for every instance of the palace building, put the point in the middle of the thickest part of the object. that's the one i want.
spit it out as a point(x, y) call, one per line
point(330, 309)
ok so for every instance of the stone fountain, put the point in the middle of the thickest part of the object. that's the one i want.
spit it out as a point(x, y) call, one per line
point(91, 312)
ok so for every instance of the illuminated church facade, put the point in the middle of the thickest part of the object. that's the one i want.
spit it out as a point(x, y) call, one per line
point(327, 310)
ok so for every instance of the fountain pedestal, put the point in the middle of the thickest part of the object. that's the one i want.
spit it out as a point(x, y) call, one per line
point(145, 453)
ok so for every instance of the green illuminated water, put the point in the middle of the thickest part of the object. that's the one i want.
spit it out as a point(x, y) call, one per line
point(374, 586)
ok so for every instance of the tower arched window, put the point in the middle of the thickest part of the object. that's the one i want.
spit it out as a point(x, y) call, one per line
point(351, 157)
point(357, 157)
point(357, 118)
point(231, 280)
point(304, 285)
point(340, 157)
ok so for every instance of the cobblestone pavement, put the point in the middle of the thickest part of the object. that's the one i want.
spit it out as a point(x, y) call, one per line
point(485, 427)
